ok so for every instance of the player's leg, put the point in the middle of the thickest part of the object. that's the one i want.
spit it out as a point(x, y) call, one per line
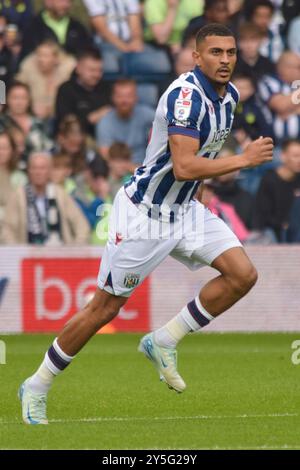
point(98, 312)
point(33, 392)
point(237, 277)
point(220, 249)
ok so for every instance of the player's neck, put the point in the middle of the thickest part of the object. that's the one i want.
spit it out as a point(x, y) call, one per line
point(220, 89)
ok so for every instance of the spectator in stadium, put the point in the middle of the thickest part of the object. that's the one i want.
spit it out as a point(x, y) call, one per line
point(292, 234)
point(250, 61)
point(260, 12)
point(13, 41)
point(293, 36)
point(94, 193)
point(215, 11)
point(19, 138)
point(184, 62)
point(119, 34)
point(284, 12)
point(290, 10)
point(74, 142)
point(61, 172)
point(120, 166)
point(86, 95)
point(54, 21)
point(18, 113)
point(228, 190)
point(10, 176)
point(128, 122)
point(6, 57)
point(282, 99)
point(252, 117)
point(44, 70)
point(17, 12)
point(166, 20)
point(42, 213)
point(277, 192)
point(224, 210)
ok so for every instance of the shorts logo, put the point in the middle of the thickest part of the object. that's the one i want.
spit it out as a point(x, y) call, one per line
point(131, 280)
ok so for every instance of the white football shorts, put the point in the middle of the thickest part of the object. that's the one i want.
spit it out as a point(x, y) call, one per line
point(137, 243)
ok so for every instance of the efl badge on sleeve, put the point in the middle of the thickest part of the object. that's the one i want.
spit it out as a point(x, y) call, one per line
point(182, 109)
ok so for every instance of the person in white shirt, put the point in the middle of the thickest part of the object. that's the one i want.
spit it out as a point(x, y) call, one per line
point(118, 32)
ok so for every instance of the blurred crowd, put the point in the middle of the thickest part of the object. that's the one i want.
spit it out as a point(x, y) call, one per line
point(80, 101)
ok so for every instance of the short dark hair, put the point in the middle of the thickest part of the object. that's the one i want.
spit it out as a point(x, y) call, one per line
point(289, 142)
point(213, 29)
point(250, 10)
point(89, 53)
point(209, 4)
point(119, 151)
point(249, 30)
point(124, 81)
point(99, 168)
point(18, 84)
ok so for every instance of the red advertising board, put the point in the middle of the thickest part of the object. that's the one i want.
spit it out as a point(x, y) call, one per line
point(53, 290)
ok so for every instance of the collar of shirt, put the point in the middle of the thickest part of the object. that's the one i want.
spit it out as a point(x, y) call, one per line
point(208, 88)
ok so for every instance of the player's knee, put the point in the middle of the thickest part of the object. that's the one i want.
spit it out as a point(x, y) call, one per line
point(244, 280)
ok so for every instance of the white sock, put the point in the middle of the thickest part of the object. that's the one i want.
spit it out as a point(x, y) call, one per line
point(192, 317)
point(54, 363)
point(42, 380)
point(171, 333)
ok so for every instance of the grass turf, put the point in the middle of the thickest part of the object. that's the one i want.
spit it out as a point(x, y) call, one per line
point(243, 392)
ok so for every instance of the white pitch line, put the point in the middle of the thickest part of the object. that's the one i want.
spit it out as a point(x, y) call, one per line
point(163, 418)
point(172, 418)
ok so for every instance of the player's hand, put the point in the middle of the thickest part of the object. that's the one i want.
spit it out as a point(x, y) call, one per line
point(258, 152)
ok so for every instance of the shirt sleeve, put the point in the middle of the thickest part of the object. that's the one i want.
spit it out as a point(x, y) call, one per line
point(95, 7)
point(184, 112)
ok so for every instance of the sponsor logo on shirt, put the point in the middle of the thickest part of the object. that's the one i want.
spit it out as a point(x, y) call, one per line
point(218, 140)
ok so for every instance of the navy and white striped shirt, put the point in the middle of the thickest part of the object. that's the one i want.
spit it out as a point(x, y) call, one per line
point(272, 45)
point(116, 13)
point(191, 107)
point(282, 128)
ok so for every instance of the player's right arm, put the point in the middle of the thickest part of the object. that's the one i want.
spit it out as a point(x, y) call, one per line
point(185, 114)
point(187, 166)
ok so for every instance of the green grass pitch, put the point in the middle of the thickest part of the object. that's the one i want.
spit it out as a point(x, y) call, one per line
point(243, 393)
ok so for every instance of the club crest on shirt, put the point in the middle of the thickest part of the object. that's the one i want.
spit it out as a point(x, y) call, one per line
point(131, 280)
point(185, 93)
